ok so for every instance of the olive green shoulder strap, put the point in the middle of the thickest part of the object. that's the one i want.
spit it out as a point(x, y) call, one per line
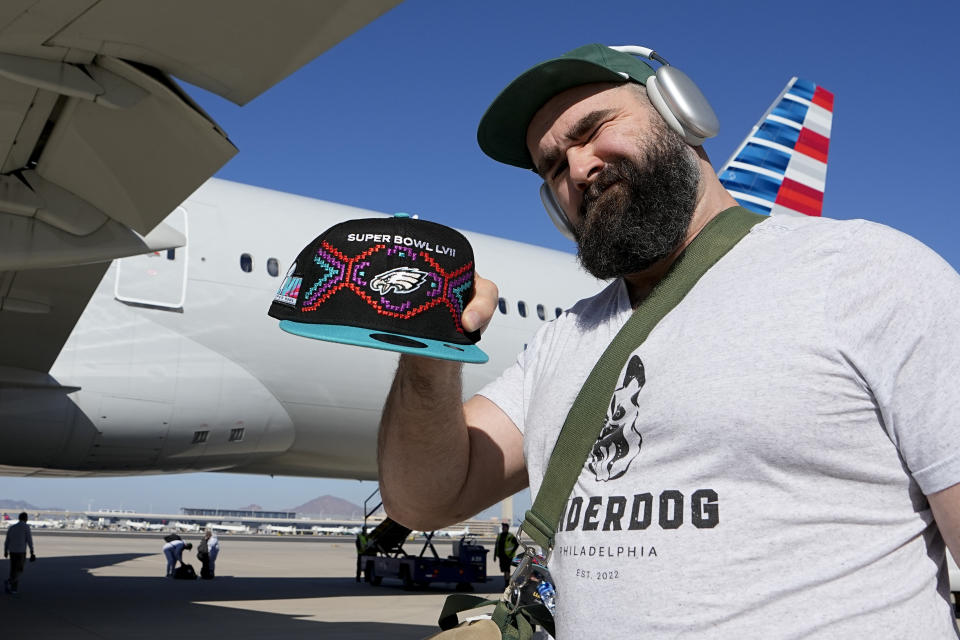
point(586, 416)
point(585, 419)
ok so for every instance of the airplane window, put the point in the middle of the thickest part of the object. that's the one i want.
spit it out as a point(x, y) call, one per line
point(273, 267)
point(246, 263)
point(171, 254)
point(559, 311)
point(541, 313)
point(200, 436)
point(522, 308)
point(503, 306)
point(236, 435)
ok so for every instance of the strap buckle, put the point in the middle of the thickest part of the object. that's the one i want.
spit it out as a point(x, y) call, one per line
point(531, 583)
point(540, 532)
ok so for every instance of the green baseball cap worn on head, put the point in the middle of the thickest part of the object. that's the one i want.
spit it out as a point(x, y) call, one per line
point(502, 133)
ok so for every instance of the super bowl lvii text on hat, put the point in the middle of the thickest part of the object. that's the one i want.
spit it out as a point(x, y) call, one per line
point(398, 283)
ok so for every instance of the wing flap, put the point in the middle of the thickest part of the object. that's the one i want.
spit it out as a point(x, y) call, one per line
point(21, 121)
point(134, 164)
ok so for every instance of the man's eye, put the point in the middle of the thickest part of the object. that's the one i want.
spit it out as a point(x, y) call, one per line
point(559, 170)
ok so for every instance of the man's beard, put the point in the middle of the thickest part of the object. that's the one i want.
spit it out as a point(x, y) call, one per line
point(637, 213)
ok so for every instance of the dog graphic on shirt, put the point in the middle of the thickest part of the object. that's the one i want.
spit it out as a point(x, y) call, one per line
point(619, 441)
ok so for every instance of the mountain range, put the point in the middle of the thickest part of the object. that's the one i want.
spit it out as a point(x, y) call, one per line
point(329, 507)
point(22, 505)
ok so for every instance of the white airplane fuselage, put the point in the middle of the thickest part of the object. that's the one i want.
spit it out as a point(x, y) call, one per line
point(175, 366)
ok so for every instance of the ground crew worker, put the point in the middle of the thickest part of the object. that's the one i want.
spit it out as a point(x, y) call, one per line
point(15, 545)
point(505, 549)
point(173, 551)
point(362, 542)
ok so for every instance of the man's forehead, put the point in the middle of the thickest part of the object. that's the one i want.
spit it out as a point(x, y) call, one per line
point(569, 105)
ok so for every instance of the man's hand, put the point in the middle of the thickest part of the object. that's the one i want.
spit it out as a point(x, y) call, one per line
point(477, 314)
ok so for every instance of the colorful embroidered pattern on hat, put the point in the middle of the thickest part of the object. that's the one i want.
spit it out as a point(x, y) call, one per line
point(400, 292)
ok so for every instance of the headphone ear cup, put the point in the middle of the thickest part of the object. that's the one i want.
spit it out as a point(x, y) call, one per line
point(556, 213)
point(682, 105)
point(653, 92)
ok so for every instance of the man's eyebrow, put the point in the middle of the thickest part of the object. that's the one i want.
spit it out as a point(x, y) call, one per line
point(579, 129)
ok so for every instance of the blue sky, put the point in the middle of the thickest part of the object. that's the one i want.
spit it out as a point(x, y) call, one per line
point(387, 119)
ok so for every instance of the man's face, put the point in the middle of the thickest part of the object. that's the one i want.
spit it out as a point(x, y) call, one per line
point(625, 181)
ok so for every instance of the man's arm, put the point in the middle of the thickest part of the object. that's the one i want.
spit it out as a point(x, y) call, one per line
point(946, 510)
point(441, 460)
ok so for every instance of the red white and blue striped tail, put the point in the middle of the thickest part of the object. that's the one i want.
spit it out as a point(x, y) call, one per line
point(781, 167)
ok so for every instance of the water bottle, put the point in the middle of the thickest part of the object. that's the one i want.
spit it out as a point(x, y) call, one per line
point(547, 596)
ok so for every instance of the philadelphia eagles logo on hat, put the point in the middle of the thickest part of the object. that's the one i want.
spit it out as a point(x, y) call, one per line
point(402, 279)
point(397, 283)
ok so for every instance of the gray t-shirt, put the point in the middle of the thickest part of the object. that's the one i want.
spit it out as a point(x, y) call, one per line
point(765, 458)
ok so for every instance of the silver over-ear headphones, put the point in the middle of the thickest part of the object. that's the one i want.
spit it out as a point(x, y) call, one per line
point(676, 98)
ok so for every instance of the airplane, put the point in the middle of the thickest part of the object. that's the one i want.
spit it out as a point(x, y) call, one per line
point(45, 524)
point(228, 528)
point(142, 525)
point(279, 529)
point(326, 531)
point(453, 533)
point(335, 531)
point(136, 286)
point(186, 526)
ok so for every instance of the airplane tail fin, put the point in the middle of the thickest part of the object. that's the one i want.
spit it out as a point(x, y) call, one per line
point(781, 167)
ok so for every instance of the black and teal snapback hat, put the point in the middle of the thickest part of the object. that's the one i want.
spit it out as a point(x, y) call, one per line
point(398, 283)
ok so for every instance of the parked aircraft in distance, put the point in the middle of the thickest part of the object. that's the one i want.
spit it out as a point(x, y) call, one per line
point(335, 531)
point(290, 530)
point(42, 524)
point(228, 528)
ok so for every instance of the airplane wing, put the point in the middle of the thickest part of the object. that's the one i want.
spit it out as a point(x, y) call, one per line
point(781, 167)
point(98, 143)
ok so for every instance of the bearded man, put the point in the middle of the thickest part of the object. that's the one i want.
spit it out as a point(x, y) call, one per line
point(797, 410)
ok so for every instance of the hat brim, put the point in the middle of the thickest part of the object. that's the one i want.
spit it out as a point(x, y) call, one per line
point(387, 341)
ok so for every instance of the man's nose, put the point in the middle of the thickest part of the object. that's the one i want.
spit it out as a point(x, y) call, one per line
point(585, 166)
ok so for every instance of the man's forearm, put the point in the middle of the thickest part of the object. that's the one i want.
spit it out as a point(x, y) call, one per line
point(424, 447)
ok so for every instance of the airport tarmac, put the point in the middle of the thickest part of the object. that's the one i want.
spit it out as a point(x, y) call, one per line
point(108, 586)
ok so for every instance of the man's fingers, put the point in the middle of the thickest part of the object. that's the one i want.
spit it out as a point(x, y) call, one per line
point(477, 314)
